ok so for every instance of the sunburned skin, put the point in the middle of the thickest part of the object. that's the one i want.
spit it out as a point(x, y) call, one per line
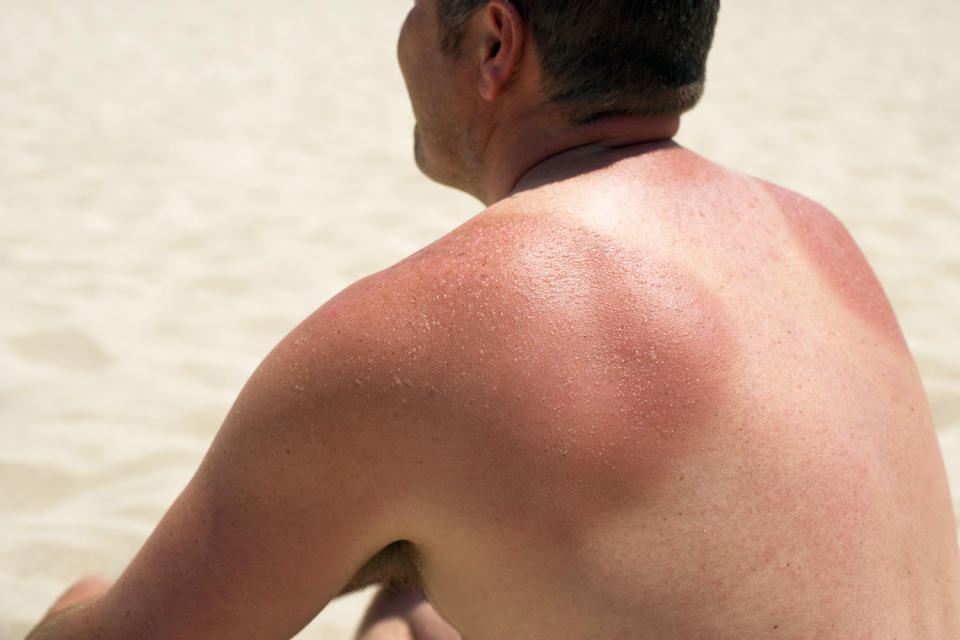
point(658, 422)
point(561, 311)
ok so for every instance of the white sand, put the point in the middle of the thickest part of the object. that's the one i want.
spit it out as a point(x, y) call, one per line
point(182, 182)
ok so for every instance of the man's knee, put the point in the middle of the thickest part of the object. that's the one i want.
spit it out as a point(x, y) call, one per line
point(386, 629)
point(404, 615)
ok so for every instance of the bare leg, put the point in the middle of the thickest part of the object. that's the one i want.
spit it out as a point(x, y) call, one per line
point(404, 615)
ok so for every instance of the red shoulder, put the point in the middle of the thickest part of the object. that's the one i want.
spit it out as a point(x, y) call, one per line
point(837, 259)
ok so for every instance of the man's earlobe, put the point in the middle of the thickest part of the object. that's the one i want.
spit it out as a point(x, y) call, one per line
point(502, 47)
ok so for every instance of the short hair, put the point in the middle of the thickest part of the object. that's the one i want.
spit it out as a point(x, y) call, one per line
point(610, 57)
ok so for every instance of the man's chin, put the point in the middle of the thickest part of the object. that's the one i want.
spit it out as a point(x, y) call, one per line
point(426, 167)
point(438, 171)
point(418, 155)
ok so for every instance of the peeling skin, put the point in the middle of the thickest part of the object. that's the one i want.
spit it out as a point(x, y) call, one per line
point(543, 336)
point(630, 353)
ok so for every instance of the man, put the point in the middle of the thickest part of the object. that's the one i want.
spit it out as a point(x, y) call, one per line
point(639, 396)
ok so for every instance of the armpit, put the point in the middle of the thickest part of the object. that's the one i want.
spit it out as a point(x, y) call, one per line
point(396, 566)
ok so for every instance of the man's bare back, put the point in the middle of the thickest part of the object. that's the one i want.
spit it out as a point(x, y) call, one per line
point(639, 397)
point(683, 409)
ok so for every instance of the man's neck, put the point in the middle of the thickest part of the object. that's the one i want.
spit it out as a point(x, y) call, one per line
point(530, 151)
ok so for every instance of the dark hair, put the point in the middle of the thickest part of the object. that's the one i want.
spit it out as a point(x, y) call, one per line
point(601, 57)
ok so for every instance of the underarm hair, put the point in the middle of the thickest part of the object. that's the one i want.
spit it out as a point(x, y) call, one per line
point(396, 567)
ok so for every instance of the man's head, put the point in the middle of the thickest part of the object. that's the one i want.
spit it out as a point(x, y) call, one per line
point(600, 57)
point(497, 86)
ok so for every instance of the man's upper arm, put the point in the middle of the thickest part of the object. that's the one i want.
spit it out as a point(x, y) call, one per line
point(289, 502)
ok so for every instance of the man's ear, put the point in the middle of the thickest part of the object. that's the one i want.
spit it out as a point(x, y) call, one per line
point(502, 47)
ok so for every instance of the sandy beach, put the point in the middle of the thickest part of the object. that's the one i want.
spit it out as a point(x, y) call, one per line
point(181, 183)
